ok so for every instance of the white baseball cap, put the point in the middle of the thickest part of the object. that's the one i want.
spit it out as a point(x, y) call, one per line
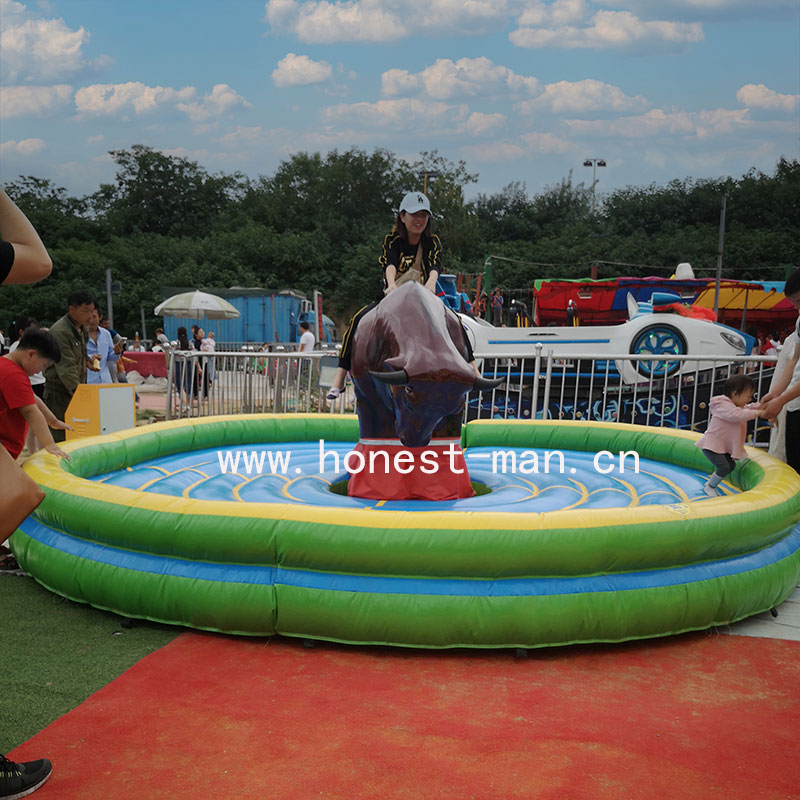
point(415, 201)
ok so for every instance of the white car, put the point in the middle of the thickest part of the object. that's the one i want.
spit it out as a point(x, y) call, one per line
point(644, 334)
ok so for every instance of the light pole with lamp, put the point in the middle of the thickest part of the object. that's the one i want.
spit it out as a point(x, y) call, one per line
point(428, 173)
point(594, 163)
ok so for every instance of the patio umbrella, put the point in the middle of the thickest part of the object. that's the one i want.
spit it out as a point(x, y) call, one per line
point(197, 305)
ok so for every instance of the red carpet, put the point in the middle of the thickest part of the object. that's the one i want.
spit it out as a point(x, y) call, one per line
point(691, 717)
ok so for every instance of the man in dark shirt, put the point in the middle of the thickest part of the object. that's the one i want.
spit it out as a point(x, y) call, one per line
point(71, 333)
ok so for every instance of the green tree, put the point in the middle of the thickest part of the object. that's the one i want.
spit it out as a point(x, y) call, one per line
point(167, 195)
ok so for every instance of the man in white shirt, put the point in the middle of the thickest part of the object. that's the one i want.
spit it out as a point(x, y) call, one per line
point(785, 393)
point(307, 340)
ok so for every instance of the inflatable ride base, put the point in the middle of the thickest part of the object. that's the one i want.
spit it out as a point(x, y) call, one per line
point(386, 470)
point(146, 523)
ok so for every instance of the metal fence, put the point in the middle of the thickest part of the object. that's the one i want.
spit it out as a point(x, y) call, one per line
point(207, 384)
point(647, 390)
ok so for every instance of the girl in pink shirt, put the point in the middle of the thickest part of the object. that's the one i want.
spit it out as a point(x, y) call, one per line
point(723, 442)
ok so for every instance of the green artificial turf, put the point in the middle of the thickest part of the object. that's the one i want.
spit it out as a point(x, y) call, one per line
point(55, 653)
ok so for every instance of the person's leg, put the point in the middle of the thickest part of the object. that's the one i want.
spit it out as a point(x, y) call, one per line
point(22, 779)
point(57, 401)
point(723, 465)
point(346, 353)
point(792, 427)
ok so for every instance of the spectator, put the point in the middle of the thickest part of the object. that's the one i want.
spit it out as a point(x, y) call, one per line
point(496, 305)
point(100, 350)
point(71, 333)
point(162, 342)
point(307, 339)
point(20, 325)
point(19, 406)
point(785, 391)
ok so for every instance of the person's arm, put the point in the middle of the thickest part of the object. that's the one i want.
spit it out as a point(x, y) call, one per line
point(36, 421)
point(50, 418)
point(31, 262)
point(782, 392)
point(433, 276)
point(434, 264)
point(389, 259)
point(390, 273)
point(112, 354)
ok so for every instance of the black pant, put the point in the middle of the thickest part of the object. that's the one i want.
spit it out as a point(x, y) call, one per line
point(723, 463)
point(793, 439)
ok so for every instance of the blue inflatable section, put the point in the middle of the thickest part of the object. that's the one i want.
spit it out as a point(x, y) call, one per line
point(508, 587)
point(519, 479)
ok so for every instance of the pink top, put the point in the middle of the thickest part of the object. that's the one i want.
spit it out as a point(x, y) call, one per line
point(728, 427)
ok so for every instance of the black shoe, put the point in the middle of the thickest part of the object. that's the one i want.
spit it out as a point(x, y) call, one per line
point(20, 780)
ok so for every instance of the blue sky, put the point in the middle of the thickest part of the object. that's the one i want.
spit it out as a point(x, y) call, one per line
point(521, 90)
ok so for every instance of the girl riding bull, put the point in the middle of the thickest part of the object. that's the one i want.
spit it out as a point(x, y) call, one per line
point(411, 252)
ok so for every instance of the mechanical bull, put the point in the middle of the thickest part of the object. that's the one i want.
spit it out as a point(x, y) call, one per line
point(411, 376)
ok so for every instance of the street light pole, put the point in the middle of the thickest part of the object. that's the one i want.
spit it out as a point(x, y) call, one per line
point(594, 163)
point(433, 174)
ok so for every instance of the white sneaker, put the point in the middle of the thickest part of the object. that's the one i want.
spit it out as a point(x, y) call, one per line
point(333, 393)
point(710, 490)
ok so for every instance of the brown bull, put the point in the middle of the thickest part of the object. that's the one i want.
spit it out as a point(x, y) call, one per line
point(410, 369)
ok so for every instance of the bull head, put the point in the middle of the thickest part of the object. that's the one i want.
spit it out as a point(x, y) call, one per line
point(420, 406)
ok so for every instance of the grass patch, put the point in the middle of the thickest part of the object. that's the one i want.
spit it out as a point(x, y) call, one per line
point(56, 653)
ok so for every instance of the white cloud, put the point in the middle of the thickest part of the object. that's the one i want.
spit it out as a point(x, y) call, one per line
point(609, 30)
point(466, 77)
point(95, 139)
point(294, 70)
point(221, 100)
point(545, 143)
point(560, 12)
point(116, 98)
point(317, 22)
point(35, 49)
point(494, 152)
point(326, 21)
point(136, 97)
point(241, 135)
point(527, 145)
point(20, 101)
point(708, 9)
point(657, 122)
point(479, 124)
point(398, 115)
point(582, 96)
point(756, 95)
point(25, 147)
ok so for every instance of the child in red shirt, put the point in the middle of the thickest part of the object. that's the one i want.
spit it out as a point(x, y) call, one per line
point(19, 406)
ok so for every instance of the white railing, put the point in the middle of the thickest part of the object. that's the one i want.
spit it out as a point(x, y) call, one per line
point(664, 391)
point(206, 384)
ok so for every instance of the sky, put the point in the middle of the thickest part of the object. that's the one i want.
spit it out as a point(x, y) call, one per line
point(520, 90)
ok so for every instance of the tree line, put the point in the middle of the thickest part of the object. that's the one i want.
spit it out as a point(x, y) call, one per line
point(318, 223)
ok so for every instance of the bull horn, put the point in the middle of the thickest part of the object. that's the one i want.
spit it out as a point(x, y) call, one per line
point(484, 384)
point(395, 378)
